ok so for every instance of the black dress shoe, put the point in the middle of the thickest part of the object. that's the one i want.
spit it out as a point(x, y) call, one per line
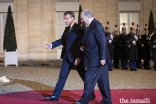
point(147, 68)
point(52, 98)
point(134, 70)
point(93, 97)
point(139, 67)
point(116, 67)
point(110, 70)
point(124, 68)
point(78, 102)
point(99, 103)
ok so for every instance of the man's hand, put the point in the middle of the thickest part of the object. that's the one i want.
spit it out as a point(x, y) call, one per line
point(82, 48)
point(102, 62)
point(47, 46)
point(77, 62)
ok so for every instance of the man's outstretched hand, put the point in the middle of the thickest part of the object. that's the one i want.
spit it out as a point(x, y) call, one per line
point(47, 46)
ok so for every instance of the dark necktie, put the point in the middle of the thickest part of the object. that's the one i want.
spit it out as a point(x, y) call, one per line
point(70, 28)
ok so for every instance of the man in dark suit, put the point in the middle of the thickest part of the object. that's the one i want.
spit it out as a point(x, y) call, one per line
point(96, 56)
point(71, 53)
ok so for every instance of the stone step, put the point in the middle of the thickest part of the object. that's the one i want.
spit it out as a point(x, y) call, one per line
point(53, 63)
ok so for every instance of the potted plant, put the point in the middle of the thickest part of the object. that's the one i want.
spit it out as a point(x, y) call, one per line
point(9, 43)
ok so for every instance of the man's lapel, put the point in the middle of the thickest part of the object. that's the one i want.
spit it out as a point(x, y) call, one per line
point(67, 32)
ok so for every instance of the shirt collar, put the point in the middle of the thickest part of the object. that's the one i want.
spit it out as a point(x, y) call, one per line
point(72, 25)
point(90, 21)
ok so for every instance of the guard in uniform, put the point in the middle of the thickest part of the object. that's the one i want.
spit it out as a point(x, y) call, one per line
point(146, 42)
point(153, 41)
point(116, 48)
point(123, 49)
point(109, 37)
point(132, 39)
point(138, 63)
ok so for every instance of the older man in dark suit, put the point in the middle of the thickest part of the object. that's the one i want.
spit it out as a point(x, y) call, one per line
point(71, 53)
point(96, 57)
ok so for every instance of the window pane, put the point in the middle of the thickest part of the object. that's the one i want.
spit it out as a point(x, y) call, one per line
point(5, 1)
point(67, 0)
point(124, 18)
point(134, 17)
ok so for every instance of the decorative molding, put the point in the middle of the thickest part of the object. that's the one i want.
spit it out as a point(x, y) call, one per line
point(67, 6)
point(129, 6)
point(6, 1)
point(129, 0)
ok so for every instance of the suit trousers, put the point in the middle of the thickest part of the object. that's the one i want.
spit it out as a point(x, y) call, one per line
point(65, 69)
point(124, 63)
point(96, 74)
point(132, 65)
point(146, 63)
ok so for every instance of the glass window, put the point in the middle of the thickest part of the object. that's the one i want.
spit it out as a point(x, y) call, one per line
point(128, 18)
point(3, 17)
point(67, 0)
point(6, 1)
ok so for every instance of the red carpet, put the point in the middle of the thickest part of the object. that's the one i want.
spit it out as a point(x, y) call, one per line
point(68, 96)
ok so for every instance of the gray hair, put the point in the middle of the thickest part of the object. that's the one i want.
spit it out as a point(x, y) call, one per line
point(88, 13)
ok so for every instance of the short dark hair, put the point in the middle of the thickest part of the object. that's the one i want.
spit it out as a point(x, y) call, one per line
point(70, 13)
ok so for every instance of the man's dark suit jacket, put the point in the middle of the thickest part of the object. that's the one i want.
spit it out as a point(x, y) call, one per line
point(95, 44)
point(71, 42)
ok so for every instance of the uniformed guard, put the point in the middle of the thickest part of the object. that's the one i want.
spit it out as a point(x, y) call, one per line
point(146, 42)
point(138, 63)
point(123, 49)
point(153, 41)
point(116, 48)
point(109, 37)
point(131, 40)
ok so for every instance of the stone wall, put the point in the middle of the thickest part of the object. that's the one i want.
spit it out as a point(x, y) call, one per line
point(35, 23)
point(146, 6)
point(35, 26)
point(104, 10)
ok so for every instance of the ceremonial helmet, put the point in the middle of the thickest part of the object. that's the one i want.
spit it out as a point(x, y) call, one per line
point(123, 27)
point(107, 26)
point(138, 29)
point(145, 28)
point(115, 29)
point(132, 27)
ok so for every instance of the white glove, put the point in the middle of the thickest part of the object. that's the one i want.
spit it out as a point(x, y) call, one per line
point(154, 46)
point(133, 42)
point(136, 37)
point(111, 36)
point(110, 41)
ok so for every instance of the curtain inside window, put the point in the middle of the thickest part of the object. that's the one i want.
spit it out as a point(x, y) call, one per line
point(128, 18)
